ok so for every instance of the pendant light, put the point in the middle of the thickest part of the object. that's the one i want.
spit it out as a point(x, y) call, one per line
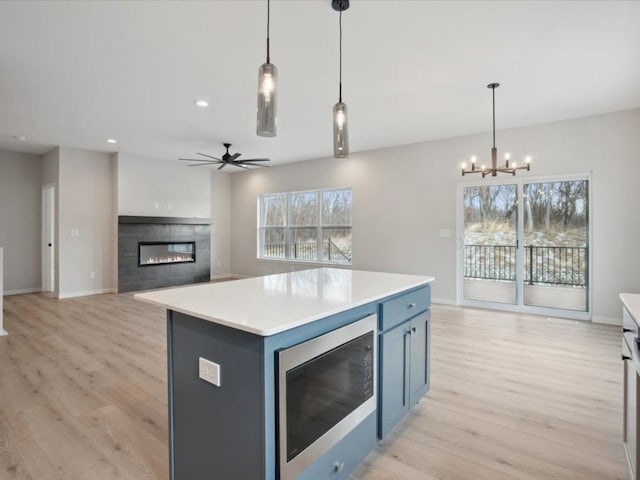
point(507, 167)
point(340, 130)
point(267, 93)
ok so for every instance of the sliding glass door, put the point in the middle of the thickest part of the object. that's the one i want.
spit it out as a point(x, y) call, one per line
point(490, 243)
point(525, 245)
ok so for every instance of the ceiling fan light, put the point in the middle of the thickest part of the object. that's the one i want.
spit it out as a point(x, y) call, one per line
point(340, 131)
point(267, 100)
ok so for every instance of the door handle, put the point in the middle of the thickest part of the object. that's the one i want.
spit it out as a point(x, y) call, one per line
point(413, 329)
point(412, 305)
point(49, 244)
point(624, 357)
point(626, 330)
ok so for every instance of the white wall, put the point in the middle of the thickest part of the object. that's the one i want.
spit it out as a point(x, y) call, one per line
point(403, 196)
point(86, 223)
point(161, 188)
point(20, 194)
point(221, 224)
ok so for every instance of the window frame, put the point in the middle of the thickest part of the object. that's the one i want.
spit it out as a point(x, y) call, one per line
point(289, 228)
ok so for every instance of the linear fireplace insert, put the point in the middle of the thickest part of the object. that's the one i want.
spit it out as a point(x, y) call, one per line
point(163, 253)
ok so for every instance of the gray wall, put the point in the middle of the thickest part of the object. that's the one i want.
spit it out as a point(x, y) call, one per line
point(221, 228)
point(20, 205)
point(86, 205)
point(403, 196)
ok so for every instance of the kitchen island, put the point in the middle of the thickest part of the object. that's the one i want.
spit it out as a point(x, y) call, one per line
point(235, 409)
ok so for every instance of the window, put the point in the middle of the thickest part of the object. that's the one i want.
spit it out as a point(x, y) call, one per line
point(313, 226)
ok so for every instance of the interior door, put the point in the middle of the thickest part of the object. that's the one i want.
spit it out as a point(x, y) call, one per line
point(48, 234)
point(490, 241)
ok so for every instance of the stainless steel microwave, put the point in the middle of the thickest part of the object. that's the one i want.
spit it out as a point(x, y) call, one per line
point(326, 387)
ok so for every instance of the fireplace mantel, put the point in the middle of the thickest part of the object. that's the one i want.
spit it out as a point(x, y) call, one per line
point(163, 220)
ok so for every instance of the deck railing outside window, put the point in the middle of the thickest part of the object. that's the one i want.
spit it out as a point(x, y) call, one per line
point(542, 265)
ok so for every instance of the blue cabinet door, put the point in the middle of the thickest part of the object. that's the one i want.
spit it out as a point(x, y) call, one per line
point(419, 366)
point(394, 376)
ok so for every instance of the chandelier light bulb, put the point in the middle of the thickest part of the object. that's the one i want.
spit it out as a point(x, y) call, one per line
point(513, 165)
point(473, 159)
point(527, 159)
point(507, 156)
point(483, 167)
point(464, 165)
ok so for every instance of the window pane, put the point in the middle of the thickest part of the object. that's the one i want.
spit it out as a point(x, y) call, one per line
point(336, 207)
point(304, 245)
point(274, 243)
point(274, 210)
point(336, 245)
point(303, 209)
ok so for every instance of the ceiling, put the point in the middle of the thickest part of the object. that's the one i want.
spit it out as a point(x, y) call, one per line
point(75, 73)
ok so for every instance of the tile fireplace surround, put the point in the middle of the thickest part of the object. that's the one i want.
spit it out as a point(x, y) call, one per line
point(133, 231)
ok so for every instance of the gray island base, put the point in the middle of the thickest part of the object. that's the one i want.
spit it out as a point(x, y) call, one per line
point(225, 388)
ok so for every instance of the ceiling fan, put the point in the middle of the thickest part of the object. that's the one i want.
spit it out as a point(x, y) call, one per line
point(227, 159)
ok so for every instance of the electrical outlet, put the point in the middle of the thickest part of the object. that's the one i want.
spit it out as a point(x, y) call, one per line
point(169, 206)
point(156, 205)
point(209, 371)
point(92, 275)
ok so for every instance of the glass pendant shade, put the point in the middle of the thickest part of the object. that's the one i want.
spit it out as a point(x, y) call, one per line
point(340, 131)
point(267, 100)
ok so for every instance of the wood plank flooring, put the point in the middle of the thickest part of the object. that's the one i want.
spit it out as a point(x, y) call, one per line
point(83, 397)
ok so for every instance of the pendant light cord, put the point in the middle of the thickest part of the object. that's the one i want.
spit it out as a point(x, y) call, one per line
point(340, 87)
point(268, 11)
point(493, 95)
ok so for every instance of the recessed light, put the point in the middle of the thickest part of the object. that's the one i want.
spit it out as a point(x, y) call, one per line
point(111, 140)
point(22, 138)
point(201, 103)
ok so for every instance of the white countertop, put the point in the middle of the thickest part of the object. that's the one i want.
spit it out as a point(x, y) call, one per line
point(632, 302)
point(276, 303)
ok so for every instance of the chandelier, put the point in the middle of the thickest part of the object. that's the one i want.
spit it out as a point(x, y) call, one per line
point(508, 167)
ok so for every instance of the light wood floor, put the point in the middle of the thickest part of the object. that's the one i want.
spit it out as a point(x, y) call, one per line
point(83, 397)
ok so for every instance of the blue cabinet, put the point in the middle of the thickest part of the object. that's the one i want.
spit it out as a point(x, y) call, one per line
point(404, 348)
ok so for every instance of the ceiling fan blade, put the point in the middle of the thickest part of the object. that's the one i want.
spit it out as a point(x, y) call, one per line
point(203, 163)
point(234, 156)
point(240, 166)
point(209, 156)
point(254, 160)
point(195, 160)
point(221, 166)
point(256, 164)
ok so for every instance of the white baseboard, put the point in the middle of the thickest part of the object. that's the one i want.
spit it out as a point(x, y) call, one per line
point(21, 291)
point(606, 320)
point(443, 301)
point(221, 275)
point(237, 275)
point(86, 293)
point(3, 332)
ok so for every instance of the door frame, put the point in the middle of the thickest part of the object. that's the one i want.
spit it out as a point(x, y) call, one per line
point(48, 231)
point(519, 305)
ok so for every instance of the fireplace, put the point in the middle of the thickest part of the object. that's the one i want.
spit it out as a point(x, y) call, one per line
point(163, 253)
point(158, 252)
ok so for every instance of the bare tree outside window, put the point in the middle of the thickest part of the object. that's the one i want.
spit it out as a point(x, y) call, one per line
point(310, 226)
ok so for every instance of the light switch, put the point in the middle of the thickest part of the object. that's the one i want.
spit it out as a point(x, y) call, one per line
point(445, 233)
point(75, 232)
point(209, 371)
